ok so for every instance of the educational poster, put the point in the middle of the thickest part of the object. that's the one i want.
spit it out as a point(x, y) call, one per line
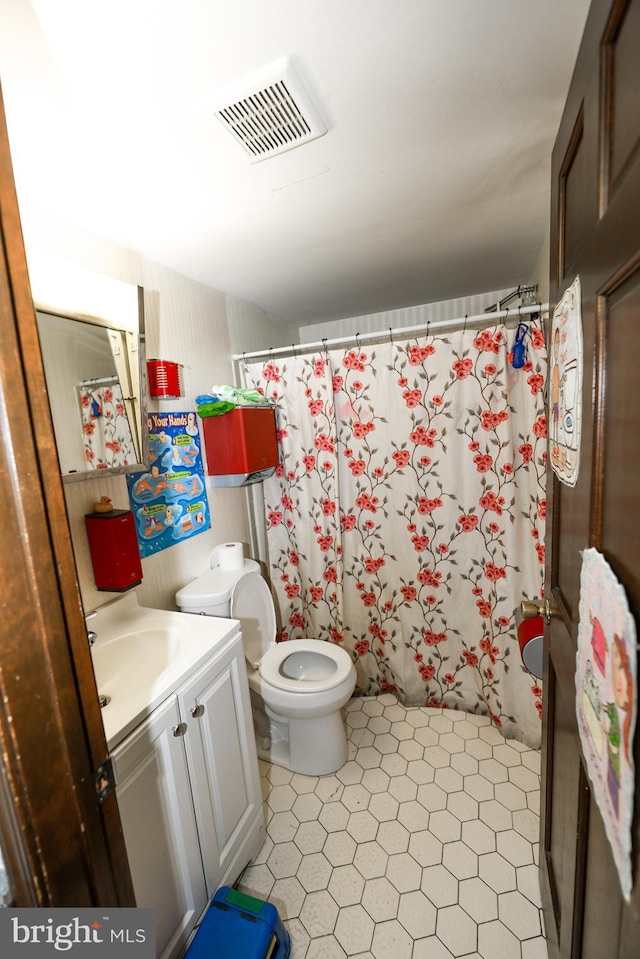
point(565, 385)
point(606, 701)
point(169, 501)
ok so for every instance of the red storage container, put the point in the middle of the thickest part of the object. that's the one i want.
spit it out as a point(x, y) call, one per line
point(241, 445)
point(113, 544)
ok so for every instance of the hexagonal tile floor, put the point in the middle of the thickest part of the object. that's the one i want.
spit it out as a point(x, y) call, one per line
point(423, 846)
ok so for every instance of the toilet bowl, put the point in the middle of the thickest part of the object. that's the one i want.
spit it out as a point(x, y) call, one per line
point(297, 687)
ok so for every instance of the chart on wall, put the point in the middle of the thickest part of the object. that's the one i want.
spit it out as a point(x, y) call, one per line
point(565, 385)
point(169, 500)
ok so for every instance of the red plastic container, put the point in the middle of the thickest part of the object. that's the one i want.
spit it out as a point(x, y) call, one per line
point(165, 378)
point(241, 441)
point(113, 544)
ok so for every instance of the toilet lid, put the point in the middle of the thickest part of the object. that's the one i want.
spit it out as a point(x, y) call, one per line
point(252, 604)
point(306, 664)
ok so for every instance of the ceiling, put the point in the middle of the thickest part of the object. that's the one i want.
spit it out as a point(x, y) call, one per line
point(432, 181)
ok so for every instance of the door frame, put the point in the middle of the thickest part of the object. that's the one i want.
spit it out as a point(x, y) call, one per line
point(62, 847)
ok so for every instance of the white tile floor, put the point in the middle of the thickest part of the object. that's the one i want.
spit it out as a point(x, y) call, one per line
point(423, 846)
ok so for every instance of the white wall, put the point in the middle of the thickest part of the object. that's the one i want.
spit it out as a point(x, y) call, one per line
point(409, 316)
point(186, 322)
point(541, 273)
point(252, 329)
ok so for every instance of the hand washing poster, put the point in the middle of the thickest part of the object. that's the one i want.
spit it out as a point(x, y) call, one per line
point(606, 702)
point(169, 501)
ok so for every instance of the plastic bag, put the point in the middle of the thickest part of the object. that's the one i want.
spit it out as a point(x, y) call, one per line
point(221, 399)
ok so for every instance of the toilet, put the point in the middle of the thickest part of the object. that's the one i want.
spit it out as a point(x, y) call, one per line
point(297, 687)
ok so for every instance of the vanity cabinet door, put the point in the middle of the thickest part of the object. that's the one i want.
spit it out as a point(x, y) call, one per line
point(223, 763)
point(154, 797)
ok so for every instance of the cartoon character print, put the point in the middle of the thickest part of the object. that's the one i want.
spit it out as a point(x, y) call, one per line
point(598, 643)
point(617, 718)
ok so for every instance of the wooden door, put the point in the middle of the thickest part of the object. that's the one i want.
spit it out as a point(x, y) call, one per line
point(60, 846)
point(595, 235)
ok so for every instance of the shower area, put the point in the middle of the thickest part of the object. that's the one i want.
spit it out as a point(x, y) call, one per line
point(406, 518)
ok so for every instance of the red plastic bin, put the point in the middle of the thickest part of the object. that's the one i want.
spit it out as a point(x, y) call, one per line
point(241, 441)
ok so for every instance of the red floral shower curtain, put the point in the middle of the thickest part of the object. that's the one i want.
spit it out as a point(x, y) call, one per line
point(106, 432)
point(406, 518)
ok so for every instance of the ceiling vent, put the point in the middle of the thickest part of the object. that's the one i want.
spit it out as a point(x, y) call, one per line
point(269, 112)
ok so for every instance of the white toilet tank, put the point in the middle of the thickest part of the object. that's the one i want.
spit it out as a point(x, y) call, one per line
point(210, 594)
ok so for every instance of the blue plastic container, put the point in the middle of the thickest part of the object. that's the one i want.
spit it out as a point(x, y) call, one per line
point(236, 926)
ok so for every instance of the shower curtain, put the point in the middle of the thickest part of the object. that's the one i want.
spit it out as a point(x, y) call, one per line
point(406, 518)
point(106, 434)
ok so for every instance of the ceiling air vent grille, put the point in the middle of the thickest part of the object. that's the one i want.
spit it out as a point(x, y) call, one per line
point(273, 113)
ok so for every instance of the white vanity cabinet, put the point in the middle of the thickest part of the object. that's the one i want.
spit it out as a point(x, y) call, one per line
point(223, 763)
point(188, 790)
point(159, 825)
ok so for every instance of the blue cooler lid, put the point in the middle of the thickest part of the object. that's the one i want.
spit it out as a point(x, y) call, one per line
point(236, 925)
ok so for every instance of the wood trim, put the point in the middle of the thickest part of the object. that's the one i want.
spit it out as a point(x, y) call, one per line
point(580, 883)
point(606, 106)
point(574, 142)
point(61, 846)
point(16, 862)
point(620, 277)
point(548, 720)
point(598, 441)
point(606, 186)
point(53, 494)
point(604, 128)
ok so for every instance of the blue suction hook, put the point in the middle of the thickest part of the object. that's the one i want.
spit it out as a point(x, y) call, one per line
point(519, 351)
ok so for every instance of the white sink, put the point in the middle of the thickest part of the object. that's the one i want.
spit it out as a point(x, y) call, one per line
point(120, 656)
point(141, 656)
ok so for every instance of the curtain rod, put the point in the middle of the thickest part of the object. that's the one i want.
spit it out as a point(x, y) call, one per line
point(101, 380)
point(484, 319)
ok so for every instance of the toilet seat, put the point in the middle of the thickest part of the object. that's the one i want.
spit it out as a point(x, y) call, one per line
point(315, 664)
point(300, 665)
point(252, 604)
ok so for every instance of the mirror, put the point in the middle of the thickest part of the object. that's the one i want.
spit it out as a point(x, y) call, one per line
point(94, 379)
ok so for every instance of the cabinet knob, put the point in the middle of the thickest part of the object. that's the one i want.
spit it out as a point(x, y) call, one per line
point(197, 711)
point(180, 729)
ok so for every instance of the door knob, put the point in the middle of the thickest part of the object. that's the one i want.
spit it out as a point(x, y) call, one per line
point(180, 729)
point(528, 610)
point(197, 711)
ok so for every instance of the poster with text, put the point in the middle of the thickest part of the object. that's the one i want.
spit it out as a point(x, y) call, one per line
point(606, 701)
point(169, 501)
point(565, 385)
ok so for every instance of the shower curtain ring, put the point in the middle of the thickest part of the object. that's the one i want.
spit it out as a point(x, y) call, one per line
point(358, 342)
point(464, 328)
point(391, 336)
